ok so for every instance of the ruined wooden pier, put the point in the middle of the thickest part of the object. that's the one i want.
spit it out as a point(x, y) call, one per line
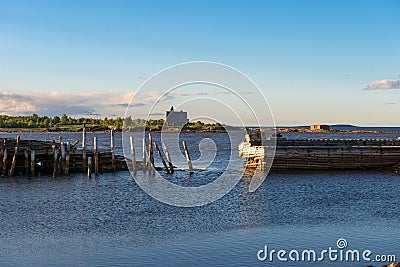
point(32, 157)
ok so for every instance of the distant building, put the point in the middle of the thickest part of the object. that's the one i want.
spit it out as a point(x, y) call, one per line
point(319, 127)
point(176, 118)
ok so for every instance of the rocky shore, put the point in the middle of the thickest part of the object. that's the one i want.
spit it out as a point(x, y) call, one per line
point(395, 264)
point(307, 130)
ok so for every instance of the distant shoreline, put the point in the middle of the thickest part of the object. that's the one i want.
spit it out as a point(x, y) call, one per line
point(88, 129)
point(350, 131)
point(278, 130)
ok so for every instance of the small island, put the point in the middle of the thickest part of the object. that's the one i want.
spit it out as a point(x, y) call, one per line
point(64, 123)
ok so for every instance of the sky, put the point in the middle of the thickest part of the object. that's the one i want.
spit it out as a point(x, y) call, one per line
point(333, 61)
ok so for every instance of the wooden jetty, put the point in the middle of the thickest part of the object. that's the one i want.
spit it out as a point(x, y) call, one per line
point(54, 158)
point(321, 154)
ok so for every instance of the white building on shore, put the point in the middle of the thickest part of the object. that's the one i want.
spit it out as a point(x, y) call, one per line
point(176, 118)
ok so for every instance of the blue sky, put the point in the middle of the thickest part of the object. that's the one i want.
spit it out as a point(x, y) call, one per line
point(313, 60)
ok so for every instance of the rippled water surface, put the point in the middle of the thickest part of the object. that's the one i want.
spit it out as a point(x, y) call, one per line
point(110, 221)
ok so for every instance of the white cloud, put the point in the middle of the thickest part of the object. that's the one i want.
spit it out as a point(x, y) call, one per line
point(92, 104)
point(384, 84)
point(57, 103)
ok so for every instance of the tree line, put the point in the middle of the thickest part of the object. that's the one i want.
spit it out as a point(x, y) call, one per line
point(36, 121)
point(70, 123)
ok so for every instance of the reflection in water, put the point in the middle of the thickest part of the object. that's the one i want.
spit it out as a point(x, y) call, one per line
point(109, 220)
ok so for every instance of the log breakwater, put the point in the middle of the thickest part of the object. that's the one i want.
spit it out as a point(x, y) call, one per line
point(321, 154)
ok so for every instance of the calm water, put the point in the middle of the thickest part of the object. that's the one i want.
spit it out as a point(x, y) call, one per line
point(110, 221)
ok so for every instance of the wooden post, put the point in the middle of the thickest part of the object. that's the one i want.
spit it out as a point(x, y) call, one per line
point(96, 156)
point(161, 157)
point(68, 149)
point(55, 153)
point(26, 154)
point(5, 155)
point(66, 171)
point(84, 136)
point(89, 167)
point(144, 155)
point(188, 157)
point(84, 147)
point(33, 162)
point(60, 139)
point(151, 156)
point(83, 159)
point(133, 155)
point(14, 160)
point(74, 144)
point(63, 155)
point(112, 149)
point(171, 166)
point(1, 162)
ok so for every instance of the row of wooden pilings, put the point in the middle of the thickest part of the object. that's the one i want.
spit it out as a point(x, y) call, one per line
point(148, 157)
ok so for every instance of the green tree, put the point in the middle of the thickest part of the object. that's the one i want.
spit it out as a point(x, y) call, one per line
point(46, 122)
point(55, 120)
point(35, 117)
point(64, 119)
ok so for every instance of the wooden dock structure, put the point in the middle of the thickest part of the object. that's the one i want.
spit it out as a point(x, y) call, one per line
point(322, 154)
point(33, 157)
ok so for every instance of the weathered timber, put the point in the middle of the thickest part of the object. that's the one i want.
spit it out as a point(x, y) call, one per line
point(14, 160)
point(112, 150)
point(66, 171)
point(89, 167)
point(161, 157)
point(321, 154)
point(133, 155)
point(144, 156)
point(53, 158)
point(33, 162)
point(189, 161)
point(171, 166)
point(55, 154)
point(63, 155)
point(96, 156)
point(36, 157)
point(151, 156)
point(5, 156)
point(26, 155)
point(83, 147)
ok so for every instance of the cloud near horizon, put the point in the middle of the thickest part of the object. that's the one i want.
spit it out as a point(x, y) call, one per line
point(57, 103)
point(86, 104)
point(384, 84)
